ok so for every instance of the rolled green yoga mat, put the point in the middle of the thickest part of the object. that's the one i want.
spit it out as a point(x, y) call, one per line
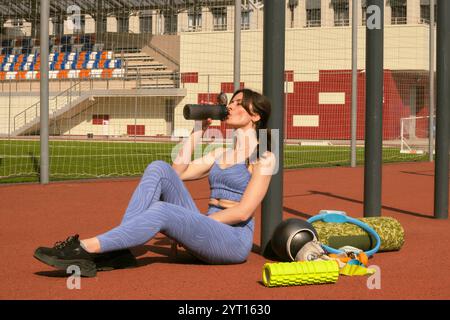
point(300, 273)
point(337, 235)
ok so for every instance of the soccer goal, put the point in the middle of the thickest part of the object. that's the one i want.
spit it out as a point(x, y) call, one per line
point(414, 135)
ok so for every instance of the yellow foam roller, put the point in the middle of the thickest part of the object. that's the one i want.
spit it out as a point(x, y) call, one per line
point(300, 273)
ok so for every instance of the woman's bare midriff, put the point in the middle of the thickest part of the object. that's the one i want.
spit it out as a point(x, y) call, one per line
point(223, 203)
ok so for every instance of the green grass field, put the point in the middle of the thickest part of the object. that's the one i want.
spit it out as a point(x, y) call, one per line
point(19, 160)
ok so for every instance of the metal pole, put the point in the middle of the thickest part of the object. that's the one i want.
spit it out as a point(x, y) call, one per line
point(374, 108)
point(237, 45)
point(442, 111)
point(273, 88)
point(354, 81)
point(44, 94)
point(431, 91)
point(9, 111)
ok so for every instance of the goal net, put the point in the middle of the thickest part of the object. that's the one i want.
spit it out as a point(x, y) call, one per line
point(414, 135)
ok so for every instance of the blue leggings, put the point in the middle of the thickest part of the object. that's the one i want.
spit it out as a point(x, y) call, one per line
point(161, 203)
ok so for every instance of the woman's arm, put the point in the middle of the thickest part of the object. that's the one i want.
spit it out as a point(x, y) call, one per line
point(253, 195)
point(183, 159)
point(198, 168)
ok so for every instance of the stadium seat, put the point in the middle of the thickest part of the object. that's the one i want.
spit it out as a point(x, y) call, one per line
point(72, 74)
point(107, 73)
point(53, 74)
point(63, 74)
point(66, 39)
point(66, 48)
point(117, 73)
point(97, 64)
point(11, 75)
point(84, 74)
point(21, 75)
point(96, 73)
point(31, 75)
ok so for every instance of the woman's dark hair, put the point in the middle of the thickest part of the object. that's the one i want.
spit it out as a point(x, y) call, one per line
point(261, 106)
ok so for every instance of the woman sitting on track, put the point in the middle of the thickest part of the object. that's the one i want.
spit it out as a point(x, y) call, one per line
point(238, 176)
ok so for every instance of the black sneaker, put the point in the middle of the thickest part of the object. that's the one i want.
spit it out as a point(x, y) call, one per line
point(68, 253)
point(120, 259)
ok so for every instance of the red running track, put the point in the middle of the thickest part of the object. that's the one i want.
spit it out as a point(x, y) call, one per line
point(33, 215)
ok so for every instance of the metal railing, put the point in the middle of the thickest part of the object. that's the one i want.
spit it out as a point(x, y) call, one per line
point(398, 20)
point(66, 97)
point(313, 23)
point(57, 102)
point(341, 22)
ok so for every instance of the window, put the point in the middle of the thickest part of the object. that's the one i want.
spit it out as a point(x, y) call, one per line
point(104, 24)
point(398, 11)
point(82, 28)
point(425, 11)
point(100, 119)
point(313, 13)
point(341, 13)
point(17, 23)
point(219, 18)
point(364, 14)
point(145, 22)
point(245, 19)
point(135, 130)
point(313, 17)
point(170, 23)
point(195, 19)
point(58, 26)
point(123, 24)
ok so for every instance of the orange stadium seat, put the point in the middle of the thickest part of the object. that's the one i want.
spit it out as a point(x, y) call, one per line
point(2, 75)
point(21, 75)
point(107, 73)
point(63, 74)
point(85, 73)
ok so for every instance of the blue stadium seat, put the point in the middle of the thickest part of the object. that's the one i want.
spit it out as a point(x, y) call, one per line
point(7, 51)
point(66, 48)
point(87, 47)
point(66, 40)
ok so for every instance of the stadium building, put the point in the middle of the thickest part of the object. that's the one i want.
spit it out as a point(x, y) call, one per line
point(121, 69)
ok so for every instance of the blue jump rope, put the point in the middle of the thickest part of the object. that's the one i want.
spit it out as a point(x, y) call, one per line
point(341, 217)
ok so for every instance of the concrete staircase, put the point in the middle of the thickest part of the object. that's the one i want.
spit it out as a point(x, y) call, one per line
point(149, 72)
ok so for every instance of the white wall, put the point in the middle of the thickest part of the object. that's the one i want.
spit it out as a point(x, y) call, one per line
point(122, 112)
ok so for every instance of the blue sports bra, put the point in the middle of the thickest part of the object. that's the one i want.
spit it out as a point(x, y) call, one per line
point(229, 183)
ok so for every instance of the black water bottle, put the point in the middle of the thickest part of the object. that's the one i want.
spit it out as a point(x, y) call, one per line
point(218, 111)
